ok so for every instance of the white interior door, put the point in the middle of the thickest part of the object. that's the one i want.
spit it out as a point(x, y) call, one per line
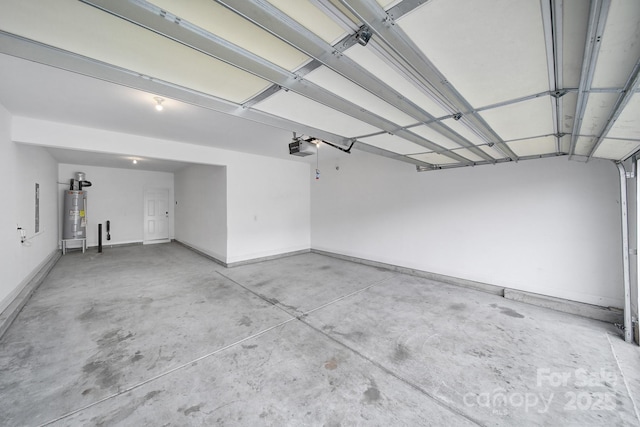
point(156, 215)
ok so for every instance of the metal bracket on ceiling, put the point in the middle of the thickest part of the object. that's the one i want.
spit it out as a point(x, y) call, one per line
point(560, 134)
point(457, 116)
point(559, 93)
point(350, 40)
point(170, 17)
point(631, 173)
point(388, 20)
point(404, 7)
point(363, 35)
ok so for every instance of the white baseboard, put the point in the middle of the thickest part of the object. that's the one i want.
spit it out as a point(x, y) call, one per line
point(606, 314)
point(11, 306)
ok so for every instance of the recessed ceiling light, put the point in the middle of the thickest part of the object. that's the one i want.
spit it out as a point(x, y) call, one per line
point(159, 102)
point(135, 162)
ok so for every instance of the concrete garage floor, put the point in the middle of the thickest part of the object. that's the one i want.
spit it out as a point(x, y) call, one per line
point(158, 335)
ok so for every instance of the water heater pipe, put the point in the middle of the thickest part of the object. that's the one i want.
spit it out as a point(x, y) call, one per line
point(99, 238)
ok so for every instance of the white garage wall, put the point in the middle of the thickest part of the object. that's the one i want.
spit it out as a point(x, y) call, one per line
point(9, 242)
point(547, 226)
point(269, 204)
point(20, 168)
point(201, 209)
point(116, 195)
point(268, 200)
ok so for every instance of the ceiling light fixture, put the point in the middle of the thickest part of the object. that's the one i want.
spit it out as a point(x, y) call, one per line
point(135, 162)
point(159, 102)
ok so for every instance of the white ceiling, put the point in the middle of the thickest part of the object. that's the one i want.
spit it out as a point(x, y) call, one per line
point(495, 63)
point(107, 160)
